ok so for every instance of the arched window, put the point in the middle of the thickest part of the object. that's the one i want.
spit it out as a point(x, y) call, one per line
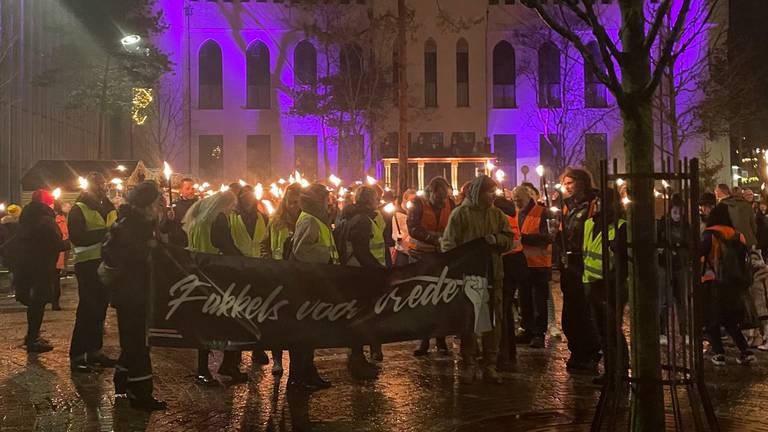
point(258, 79)
point(504, 76)
point(210, 93)
point(594, 90)
point(549, 76)
point(430, 73)
point(305, 64)
point(462, 73)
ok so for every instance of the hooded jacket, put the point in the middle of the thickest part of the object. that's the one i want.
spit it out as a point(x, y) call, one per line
point(356, 229)
point(743, 218)
point(471, 220)
point(306, 238)
point(38, 243)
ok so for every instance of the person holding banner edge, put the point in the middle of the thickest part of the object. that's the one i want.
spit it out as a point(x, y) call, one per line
point(475, 218)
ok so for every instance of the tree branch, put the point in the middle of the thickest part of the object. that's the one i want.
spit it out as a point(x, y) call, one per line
point(658, 20)
point(666, 55)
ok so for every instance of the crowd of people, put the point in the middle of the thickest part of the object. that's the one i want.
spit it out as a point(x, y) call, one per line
point(374, 228)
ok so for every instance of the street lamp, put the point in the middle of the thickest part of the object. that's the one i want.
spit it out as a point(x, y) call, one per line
point(130, 41)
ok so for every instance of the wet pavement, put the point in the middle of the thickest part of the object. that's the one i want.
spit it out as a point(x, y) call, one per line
point(38, 393)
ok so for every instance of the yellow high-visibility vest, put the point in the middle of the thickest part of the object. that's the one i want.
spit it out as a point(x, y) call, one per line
point(248, 243)
point(375, 244)
point(277, 238)
point(199, 239)
point(593, 250)
point(93, 222)
point(326, 237)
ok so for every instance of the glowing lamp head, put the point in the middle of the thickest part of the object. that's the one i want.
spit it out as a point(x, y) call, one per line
point(167, 171)
point(82, 182)
point(540, 170)
point(56, 193)
point(130, 40)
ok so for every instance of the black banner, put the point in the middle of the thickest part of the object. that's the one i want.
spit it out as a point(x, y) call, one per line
point(220, 302)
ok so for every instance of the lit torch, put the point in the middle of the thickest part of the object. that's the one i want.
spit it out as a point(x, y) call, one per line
point(334, 180)
point(82, 182)
point(167, 172)
point(258, 191)
point(56, 193)
point(370, 180)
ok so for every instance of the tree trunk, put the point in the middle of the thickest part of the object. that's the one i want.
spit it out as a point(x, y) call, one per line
point(402, 58)
point(647, 402)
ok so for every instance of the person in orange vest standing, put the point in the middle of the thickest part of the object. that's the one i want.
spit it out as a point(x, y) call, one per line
point(426, 222)
point(531, 222)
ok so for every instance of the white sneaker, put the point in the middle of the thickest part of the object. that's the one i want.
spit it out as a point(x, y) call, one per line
point(763, 346)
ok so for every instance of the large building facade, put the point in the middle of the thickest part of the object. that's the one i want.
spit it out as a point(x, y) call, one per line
point(485, 79)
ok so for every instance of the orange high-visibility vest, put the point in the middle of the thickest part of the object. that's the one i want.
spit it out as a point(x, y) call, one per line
point(429, 220)
point(710, 262)
point(535, 256)
point(517, 247)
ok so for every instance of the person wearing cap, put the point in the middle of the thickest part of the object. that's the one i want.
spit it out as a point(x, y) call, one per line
point(89, 219)
point(125, 254)
point(9, 223)
point(36, 247)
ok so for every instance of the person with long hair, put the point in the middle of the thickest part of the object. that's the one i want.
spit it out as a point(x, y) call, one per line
point(202, 224)
point(400, 234)
point(276, 245)
point(580, 204)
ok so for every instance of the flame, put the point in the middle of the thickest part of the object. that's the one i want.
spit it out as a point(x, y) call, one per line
point(419, 193)
point(620, 182)
point(389, 208)
point(626, 201)
point(408, 205)
point(304, 183)
point(489, 166)
point(83, 182)
point(258, 191)
point(167, 171)
point(499, 192)
point(334, 180)
point(119, 187)
point(205, 185)
point(343, 191)
point(223, 188)
point(242, 182)
point(122, 168)
point(268, 205)
point(56, 193)
point(455, 193)
point(282, 181)
point(663, 183)
point(274, 190)
point(540, 170)
point(370, 180)
point(554, 209)
point(117, 181)
point(2, 207)
point(500, 174)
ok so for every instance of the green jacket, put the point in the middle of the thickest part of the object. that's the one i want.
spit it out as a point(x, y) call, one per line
point(470, 221)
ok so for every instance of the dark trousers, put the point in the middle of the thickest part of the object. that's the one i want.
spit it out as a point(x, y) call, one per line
point(534, 293)
point(133, 372)
point(715, 313)
point(56, 289)
point(88, 335)
point(582, 338)
point(602, 301)
point(515, 271)
point(35, 312)
point(302, 364)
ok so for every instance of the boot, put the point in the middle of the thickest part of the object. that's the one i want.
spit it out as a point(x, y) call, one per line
point(260, 358)
point(491, 375)
point(361, 369)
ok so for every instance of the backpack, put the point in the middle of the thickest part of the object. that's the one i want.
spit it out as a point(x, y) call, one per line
point(733, 269)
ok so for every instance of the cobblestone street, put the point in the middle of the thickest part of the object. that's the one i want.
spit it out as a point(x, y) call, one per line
point(38, 393)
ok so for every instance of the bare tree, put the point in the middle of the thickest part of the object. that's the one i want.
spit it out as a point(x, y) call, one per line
point(630, 77)
point(565, 125)
point(163, 128)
